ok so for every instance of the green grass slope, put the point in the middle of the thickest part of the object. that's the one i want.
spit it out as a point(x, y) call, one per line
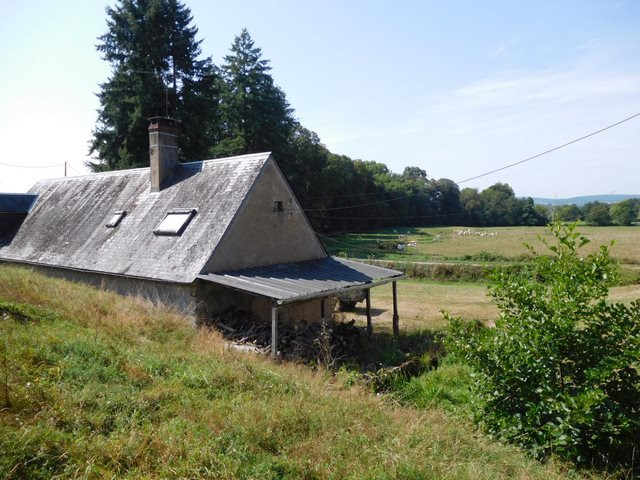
point(93, 385)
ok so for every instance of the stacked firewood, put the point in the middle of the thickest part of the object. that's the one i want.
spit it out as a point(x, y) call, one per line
point(323, 342)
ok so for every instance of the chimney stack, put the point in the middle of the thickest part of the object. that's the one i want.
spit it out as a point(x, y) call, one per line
point(163, 150)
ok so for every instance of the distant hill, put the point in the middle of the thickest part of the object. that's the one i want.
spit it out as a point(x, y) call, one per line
point(584, 199)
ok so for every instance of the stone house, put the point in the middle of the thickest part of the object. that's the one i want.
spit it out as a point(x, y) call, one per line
point(205, 236)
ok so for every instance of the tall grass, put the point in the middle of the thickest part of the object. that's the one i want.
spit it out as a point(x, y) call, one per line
point(100, 386)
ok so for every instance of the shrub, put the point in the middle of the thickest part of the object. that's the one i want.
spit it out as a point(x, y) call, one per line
point(560, 371)
point(597, 213)
point(483, 256)
point(387, 245)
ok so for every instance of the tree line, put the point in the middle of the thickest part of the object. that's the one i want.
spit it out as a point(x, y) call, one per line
point(625, 212)
point(157, 69)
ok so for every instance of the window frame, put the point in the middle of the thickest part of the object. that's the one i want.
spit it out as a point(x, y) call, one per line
point(120, 214)
point(190, 214)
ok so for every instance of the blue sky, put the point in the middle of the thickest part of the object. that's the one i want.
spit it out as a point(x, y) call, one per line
point(456, 88)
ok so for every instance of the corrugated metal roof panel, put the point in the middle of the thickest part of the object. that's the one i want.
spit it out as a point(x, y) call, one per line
point(292, 282)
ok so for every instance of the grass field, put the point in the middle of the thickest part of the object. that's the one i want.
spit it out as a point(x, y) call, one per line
point(440, 244)
point(93, 385)
point(420, 303)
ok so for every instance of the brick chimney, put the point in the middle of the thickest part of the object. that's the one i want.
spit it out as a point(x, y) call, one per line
point(163, 150)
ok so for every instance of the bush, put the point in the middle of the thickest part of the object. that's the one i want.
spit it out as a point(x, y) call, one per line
point(560, 371)
point(437, 271)
point(483, 256)
point(387, 245)
point(625, 212)
point(597, 213)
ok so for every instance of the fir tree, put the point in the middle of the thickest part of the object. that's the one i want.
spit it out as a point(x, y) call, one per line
point(256, 116)
point(156, 71)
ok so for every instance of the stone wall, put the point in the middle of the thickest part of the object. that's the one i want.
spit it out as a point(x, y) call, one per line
point(196, 300)
point(179, 295)
point(261, 236)
point(215, 298)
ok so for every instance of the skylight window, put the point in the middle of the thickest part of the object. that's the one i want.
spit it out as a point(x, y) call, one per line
point(115, 220)
point(175, 222)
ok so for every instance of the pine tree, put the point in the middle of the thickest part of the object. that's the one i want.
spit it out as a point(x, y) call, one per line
point(156, 71)
point(256, 116)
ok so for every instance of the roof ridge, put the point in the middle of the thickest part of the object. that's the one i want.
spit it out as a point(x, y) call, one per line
point(146, 169)
point(226, 159)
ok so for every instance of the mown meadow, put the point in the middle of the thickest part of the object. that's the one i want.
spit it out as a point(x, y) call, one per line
point(507, 244)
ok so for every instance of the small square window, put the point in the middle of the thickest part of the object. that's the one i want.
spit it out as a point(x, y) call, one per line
point(115, 220)
point(277, 206)
point(175, 222)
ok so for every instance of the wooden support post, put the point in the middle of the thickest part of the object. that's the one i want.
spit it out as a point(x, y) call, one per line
point(322, 309)
point(368, 302)
point(274, 330)
point(396, 318)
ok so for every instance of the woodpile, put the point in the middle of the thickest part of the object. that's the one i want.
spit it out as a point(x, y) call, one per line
point(326, 343)
point(348, 300)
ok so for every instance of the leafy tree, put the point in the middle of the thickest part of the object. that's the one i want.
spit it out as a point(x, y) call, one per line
point(529, 215)
point(499, 205)
point(256, 116)
point(561, 370)
point(543, 212)
point(414, 173)
point(568, 213)
point(625, 212)
point(471, 205)
point(156, 71)
point(446, 199)
point(596, 213)
point(311, 158)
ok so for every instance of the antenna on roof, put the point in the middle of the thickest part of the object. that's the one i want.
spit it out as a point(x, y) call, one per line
point(166, 87)
point(166, 101)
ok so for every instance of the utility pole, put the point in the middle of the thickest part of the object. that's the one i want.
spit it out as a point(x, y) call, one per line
point(65, 168)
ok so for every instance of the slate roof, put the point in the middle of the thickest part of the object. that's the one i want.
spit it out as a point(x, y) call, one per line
point(294, 282)
point(66, 227)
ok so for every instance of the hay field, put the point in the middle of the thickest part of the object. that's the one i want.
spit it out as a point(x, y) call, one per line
point(421, 302)
point(506, 243)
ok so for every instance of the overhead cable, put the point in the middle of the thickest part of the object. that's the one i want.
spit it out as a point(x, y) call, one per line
point(546, 152)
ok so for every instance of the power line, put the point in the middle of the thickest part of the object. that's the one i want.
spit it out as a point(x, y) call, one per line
point(435, 215)
point(363, 194)
point(31, 166)
point(72, 168)
point(360, 247)
point(552, 149)
point(56, 165)
point(364, 204)
point(546, 152)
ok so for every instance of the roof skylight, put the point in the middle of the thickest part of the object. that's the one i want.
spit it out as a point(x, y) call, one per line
point(115, 220)
point(175, 222)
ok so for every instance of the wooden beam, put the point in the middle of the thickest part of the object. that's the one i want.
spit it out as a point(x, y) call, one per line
point(396, 318)
point(368, 303)
point(274, 331)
